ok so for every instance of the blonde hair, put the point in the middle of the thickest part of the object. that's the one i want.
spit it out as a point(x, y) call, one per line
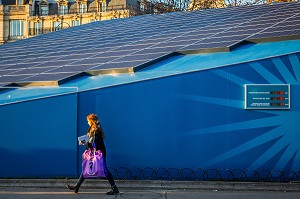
point(95, 125)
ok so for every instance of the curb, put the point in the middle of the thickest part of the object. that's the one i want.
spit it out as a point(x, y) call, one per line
point(155, 185)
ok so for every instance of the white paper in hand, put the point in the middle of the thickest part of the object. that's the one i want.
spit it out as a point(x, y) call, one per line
point(83, 139)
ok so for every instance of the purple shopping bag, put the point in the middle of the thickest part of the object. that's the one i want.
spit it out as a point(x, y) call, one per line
point(93, 164)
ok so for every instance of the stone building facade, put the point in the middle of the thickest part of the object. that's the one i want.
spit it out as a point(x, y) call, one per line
point(20, 19)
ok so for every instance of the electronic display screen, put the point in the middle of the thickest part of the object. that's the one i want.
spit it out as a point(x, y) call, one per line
point(267, 96)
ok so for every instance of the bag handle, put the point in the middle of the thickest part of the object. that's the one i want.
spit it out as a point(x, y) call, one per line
point(94, 145)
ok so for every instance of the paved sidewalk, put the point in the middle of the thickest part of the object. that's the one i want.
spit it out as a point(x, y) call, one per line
point(147, 189)
point(154, 185)
point(60, 193)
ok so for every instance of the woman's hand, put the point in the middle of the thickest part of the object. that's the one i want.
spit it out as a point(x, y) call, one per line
point(83, 142)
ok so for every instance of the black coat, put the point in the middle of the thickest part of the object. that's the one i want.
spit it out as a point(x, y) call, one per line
point(99, 142)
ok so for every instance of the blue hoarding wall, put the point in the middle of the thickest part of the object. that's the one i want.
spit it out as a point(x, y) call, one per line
point(198, 120)
point(195, 122)
point(38, 138)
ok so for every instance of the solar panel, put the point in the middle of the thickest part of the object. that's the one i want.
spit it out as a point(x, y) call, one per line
point(176, 43)
point(134, 47)
point(8, 72)
point(47, 77)
point(75, 56)
point(158, 50)
point(278, 34)
point(12, 78)
point(73, 68)
point(32, 71)
point(149, 56)
point(216, 39)
point(209, 46)
point(118, 65)
point(286, 28)
point(123, 44)
point(116, 53)
point(233, 33)
point(95, 60)
point(20, 66)
point(54, 63)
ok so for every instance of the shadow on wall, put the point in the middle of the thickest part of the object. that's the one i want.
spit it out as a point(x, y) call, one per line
point(199, 174)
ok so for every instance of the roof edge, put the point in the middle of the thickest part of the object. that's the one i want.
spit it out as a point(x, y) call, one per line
point(204, 50)
point(110, 71)
point(50, 82)
point(274, 39)
point(37, 83)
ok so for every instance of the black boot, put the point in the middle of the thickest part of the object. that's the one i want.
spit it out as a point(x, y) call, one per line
point(114, 190)
point(75, 188)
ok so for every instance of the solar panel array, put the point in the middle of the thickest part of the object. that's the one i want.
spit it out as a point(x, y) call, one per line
point(131, 43)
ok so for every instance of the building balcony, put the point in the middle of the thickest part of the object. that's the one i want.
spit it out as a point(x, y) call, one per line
point(16, 37)
point(16, 9)
point(39, 31)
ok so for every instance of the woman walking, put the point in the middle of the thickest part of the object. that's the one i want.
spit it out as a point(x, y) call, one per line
point(96, 135)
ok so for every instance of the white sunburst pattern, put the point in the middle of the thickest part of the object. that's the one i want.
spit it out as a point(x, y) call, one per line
point(279, 130)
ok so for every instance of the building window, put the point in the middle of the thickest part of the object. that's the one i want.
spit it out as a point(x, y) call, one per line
point(16, 29)
point(44, 10)
point(75, 23)
point(142, 7)
point(82, 8)
point(19, 2)
point(56, 25)
point(103, 7)
point(63, 10)
point(37, 28)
